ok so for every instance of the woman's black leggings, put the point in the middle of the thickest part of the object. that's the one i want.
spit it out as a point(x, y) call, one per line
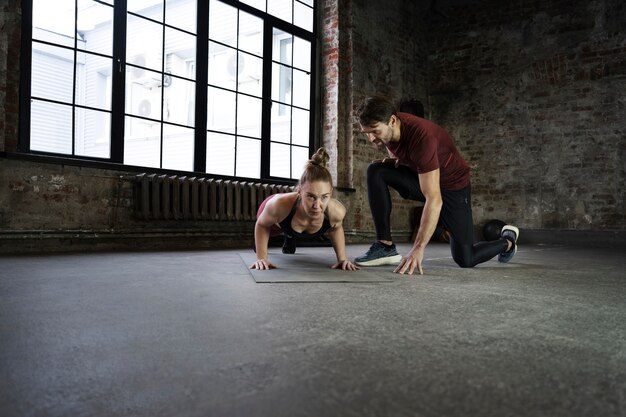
point(456, 213)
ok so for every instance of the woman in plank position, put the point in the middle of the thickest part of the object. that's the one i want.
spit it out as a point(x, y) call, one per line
point(305, 214)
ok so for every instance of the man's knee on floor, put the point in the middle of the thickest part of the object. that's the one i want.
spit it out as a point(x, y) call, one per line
point(463, 261)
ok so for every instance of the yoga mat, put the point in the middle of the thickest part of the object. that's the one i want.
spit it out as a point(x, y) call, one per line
point(312, 267)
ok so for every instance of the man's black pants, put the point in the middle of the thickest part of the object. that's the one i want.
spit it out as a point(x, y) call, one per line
point(456, 213)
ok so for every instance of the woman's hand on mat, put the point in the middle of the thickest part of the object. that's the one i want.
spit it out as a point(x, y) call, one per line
point(346, 266)
point(413, 259)
point(262, 264)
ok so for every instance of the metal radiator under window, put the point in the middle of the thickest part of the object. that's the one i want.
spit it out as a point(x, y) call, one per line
point(166, 197)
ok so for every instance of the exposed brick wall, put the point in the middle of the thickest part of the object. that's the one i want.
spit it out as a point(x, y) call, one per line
point(534, 94)
point(10, 17)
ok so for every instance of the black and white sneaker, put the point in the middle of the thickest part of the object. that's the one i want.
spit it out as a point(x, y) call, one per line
point(379, 254)
point(510, 233)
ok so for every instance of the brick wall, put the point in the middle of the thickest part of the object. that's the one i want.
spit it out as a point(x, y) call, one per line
point(534, 94)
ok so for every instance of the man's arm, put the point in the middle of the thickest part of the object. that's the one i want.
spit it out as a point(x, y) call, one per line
point(429, 184)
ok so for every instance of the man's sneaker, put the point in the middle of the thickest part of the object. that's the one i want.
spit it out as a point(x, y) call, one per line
point(289, 247)
point(379, 254)
point(510, 233)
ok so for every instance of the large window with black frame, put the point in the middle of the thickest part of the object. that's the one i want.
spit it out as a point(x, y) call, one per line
point(222, 87)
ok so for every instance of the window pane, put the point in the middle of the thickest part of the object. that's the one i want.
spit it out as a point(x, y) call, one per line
point(52, 73)
point(181, 14)
point(180, 53)
point(50, 127)
point(303, 16)
point(280, 160)
point(179, 97)
point(222, 66)
point(93, 133)
point(73, 69)
point(248, 158)
point(301, 89)
point(248, 116)
point(148, 8)
point(257, 4)
point(250, 33)
point(282, 47)
point(300, 127)
point(177, 148)
point(222, 23)
point(281, 123)
point(302, 54)
point(221, 110)
point(93, 81)
point(280, 8)
point(95, 27)
point(250, 74)
point(220, 154)
point(143, 93)
point(299, 157)
point(281, 83)
point(56, 18)
point(144, 43)
point(142, 142)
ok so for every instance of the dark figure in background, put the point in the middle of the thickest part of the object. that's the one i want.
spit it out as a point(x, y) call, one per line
point(412, 106)
point(425, 165)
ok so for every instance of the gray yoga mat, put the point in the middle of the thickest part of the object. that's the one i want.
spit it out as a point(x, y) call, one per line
point(312, 267)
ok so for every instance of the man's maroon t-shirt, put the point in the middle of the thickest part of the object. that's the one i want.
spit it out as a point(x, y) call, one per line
point(425, 146)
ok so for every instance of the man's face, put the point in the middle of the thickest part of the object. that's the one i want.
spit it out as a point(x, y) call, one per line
point(378, 134)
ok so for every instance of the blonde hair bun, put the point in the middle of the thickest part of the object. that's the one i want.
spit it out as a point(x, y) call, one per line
point(316, 168)
point(320, 157)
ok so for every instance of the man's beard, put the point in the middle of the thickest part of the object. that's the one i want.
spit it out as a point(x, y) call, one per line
point(380, 145)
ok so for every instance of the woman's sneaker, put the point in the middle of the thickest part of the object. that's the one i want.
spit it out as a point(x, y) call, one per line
point(510, 233)
point(289, 246)
point(379, 254)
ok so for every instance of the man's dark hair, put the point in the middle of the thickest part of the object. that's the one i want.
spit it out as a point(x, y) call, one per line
point(412, 106)
point(374, 110)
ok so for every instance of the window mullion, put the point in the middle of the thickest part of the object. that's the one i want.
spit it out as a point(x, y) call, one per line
point(26, 76)
point(118, 100)
point(266, 119)
point(202, 59)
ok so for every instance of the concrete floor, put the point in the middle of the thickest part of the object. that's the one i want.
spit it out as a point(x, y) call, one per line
point(192, 334)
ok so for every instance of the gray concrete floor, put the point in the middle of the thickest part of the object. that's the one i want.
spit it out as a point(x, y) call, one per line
point(192, 334)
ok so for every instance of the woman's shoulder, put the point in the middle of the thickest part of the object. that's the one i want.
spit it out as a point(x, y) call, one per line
point(282, 202)
point(336, 210)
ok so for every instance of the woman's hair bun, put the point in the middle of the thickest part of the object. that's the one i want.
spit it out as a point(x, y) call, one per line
point(316, 168)
point(320, 158)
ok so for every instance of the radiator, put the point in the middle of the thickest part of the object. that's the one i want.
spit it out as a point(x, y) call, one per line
point(167, 197)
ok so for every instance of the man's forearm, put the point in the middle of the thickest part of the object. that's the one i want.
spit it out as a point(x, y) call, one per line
point(428, 223)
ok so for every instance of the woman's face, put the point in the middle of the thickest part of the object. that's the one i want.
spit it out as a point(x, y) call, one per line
point(314, 197)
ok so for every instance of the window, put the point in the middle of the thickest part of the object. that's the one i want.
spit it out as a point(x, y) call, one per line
point(221, 87)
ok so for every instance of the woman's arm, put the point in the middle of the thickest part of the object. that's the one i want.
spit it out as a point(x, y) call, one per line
point(274, 212)
point(336, 213)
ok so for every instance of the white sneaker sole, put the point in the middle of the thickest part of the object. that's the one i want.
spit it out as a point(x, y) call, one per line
point(387, 260)
point(511, 228)
point(507, 256)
